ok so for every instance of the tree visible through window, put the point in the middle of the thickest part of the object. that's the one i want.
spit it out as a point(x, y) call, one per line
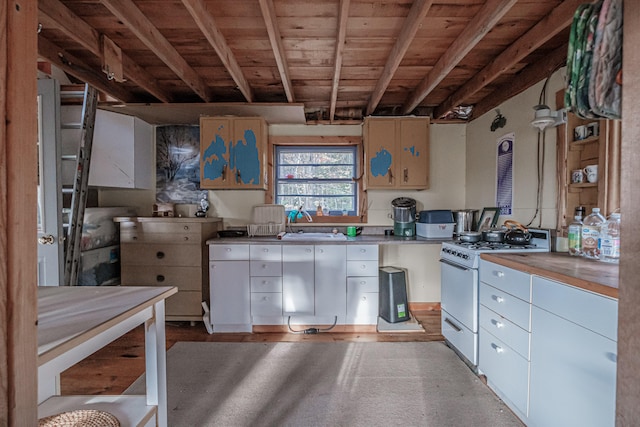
point(314, 177)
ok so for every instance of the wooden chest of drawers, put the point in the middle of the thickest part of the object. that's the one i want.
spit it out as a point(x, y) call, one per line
point(160, 251)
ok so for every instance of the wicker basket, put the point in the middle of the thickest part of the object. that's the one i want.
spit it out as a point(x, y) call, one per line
point(80, 417)
point(266, 220)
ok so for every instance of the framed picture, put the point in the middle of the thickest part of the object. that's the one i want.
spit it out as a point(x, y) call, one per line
point(489, 218)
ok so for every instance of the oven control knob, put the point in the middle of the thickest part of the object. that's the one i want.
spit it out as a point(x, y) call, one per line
point(465, 256)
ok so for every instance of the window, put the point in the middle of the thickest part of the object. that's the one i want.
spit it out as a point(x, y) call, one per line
point(317, 176)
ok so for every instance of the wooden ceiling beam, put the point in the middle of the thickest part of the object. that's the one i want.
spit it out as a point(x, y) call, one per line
point(75, 67)
point(522, 81)
point(208, 26)
point(129, 14)
point(488, 16)
point(410, 27)
point(340, 38)
point(559, 19)
point(269, 15)
point(54, 14)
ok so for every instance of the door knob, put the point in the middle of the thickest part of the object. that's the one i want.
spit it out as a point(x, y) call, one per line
point(46, 240)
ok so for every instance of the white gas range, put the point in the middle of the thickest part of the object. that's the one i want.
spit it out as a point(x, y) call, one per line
point(460, 283)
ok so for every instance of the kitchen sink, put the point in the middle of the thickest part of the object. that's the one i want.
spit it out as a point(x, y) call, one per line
point(314, 236)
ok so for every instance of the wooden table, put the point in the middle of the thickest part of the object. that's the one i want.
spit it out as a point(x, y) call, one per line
point(74, 322)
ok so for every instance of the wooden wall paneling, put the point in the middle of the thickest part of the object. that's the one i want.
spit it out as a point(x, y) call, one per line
point(628, 375)
point(18, 134)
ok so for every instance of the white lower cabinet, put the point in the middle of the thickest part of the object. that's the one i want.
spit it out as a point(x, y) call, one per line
point(362, 284)
point(266, 284)
point(504, 333)
point(330, 271)
point(548, 349)
point(298, 280)
point(272, 284)
point(230, 288)
point(573, 356)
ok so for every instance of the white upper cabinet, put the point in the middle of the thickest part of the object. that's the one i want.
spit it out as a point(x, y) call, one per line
point(122, 152)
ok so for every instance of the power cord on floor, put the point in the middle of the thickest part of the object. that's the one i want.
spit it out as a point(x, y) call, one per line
point(312, 331)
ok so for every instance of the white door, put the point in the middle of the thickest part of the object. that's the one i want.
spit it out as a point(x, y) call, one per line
point(50, 237)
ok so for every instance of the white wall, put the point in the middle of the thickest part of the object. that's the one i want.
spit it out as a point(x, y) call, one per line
point(481, 152)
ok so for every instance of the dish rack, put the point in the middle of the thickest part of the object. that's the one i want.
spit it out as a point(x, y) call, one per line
point(266, 220)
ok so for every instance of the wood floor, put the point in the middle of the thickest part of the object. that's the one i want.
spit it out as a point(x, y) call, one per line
point(114, 368)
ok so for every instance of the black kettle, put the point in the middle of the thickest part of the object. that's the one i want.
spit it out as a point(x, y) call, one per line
point(517, 234)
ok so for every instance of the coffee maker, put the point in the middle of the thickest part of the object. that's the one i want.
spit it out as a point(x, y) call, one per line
point(404, 217)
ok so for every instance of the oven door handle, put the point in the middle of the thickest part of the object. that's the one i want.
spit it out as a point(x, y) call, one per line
point(453, 325)
point(459, 267)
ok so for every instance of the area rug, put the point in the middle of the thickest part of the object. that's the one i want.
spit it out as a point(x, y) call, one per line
point(325, 384)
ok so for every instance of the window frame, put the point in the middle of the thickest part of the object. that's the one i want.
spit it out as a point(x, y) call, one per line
point(319, 141)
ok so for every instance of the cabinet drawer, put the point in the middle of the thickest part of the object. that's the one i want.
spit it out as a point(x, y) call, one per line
point(229, 252)
point(592, 311)
point(506, 279)
point(362, 252)
point(362, 268)
point(266, 284)
point(506, 305)
point(362, 284)
point(160, 227)
point(173, 238)
point(160, 254)
point(505, 369)
point(265, 268)
point(460, 337)
point(266, 304)
point(184, 278)
point(266, 252)
point(503, 329)
point(184, 303)
point(362, 307)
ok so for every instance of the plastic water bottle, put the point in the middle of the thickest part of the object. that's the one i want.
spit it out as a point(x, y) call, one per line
point(610, 239)
point(591, 234)
point(575, 236)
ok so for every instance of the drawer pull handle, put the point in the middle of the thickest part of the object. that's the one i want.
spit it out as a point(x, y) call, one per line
point(160, 278)
point(308, 250)
point(160, 255)
point(497, 348)
point(499, 273)
point(363, 266)
point(265, 299)
point(264, 266)
point(363, 251)
point(364, 298)
point(186, 238)
point(228, 249)
point(363, 282)
point(265, 250)
point(497, 298)
point(135, 238)
point(453, 325)
point(497, 323)
point(186, 227)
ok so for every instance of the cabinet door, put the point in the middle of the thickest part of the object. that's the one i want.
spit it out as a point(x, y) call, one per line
point(247, 153)
point(573, 374)
point(331, 280)
point(230, 292)
point(215, 142)
point(297, 279)
point(380, 139)
point(413, 154)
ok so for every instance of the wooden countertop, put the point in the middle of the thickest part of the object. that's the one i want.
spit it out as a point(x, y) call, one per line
point(594, 276)
point(362, 240)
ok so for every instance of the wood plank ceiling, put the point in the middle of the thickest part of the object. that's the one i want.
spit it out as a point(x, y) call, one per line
point(341, 59)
